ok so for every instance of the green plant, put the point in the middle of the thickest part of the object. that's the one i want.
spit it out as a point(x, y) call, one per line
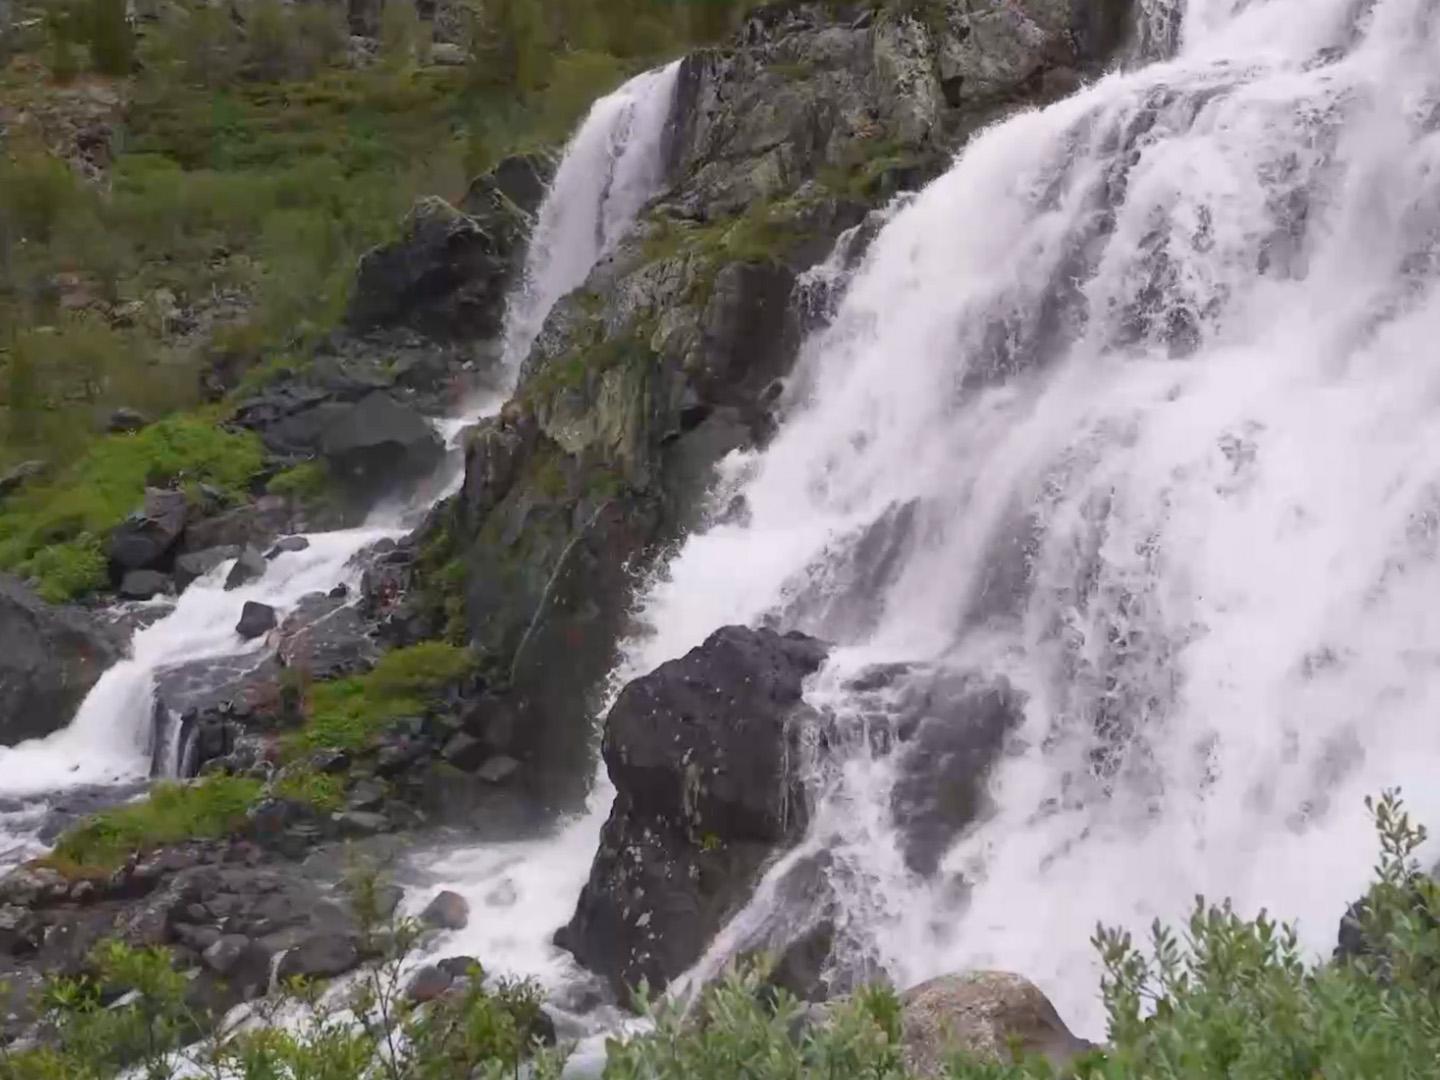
point(67, 570)
point(308, 482)
point(348, 713)
point(300, 783)
point(207, 809)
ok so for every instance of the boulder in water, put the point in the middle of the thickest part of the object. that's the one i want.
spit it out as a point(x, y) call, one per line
point(249, 566)
point(705, 754)
point(448, 911)
point(380, 439)
point(982, 1014)
point(50, 657)
point(255, 619)
point(196, 564)
point(143, 584)
point(143, 540)
point(287, 544)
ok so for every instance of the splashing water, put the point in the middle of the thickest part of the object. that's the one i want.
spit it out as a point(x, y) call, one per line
point(1134, 408)
point(611, 169)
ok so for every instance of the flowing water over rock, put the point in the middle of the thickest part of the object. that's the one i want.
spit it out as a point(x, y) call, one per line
point(1133, 409)
point(114, 743)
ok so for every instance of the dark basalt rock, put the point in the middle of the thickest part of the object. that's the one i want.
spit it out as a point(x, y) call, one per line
point(145, 539)
point(704, 753)
point(380, 439)
point(255, 619)
point(249, 566)
point(50, 657)
point(196, 564)
point(448, 911)
point(143, 584)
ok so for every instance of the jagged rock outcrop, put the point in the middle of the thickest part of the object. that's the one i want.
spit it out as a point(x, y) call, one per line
point(989, 1015)
point(674, 351)
point(706, 755)
point(50, 657)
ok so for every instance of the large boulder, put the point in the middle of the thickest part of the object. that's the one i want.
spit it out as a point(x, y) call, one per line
point(378, 439)
point(446, 277)
point(145, 539)
point(990, 1015)
point(50, 657)
point(705, 754)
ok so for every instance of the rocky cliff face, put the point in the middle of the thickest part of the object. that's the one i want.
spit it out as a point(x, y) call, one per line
point(675, 350)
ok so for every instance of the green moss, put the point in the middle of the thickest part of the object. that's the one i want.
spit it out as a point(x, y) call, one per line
point(171, 813)
point(300, 783)
point(347, 713)
point(309, 482)
point(64, 571)
point(108, 482)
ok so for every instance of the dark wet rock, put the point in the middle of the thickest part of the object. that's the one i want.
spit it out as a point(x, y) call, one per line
point(448, 274)
point(448, 911)
point(16, 477)
point(320, 956)
point(952, 728)
point(366, 795)
point(380, 440)
point(704, 753)
point(145, 539)
point(196, 564)
point(287, 544)
point(427, 984)
point(249, 566)
point(459, 967)
point(464, 751)
point(126, 420)
point(328, 637)
point(362, 823)
point(50, 657)
point(256, 619)
point(225, 953)
point(256, 525)
point(143, 584)
point(21, 931)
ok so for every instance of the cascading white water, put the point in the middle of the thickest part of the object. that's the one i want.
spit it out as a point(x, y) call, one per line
point(610, 169)
point(1134, 408)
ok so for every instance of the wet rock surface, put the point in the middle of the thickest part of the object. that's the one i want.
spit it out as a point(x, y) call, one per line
point(705, 755)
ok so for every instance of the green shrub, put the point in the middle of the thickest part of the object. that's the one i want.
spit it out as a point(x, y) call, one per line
point(112, 43)
point(108, 482)
point(300, 783)
point(207, 810)
point(348, 713)
point(308, 482)
point(64, 571)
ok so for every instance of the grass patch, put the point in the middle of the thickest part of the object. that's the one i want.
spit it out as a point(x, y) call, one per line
point(97, 492)
point(64, 571)
point(171, 813)
point(308, 482)
point(346, 714)
point(300, 783)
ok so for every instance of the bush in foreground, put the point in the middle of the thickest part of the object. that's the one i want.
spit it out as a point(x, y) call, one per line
point(1228, 998)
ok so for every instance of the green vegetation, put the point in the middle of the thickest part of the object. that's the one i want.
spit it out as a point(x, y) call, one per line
point(347, 713)
point(49, 530)
point(300, 783)
point(171, 813)
point(1230, 999)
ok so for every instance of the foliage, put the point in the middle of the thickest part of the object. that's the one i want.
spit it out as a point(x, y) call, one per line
point(308, 482)
point(64, 571)
point(300, 783)
point(109, 482)
point(171, 813)
point(348, 713)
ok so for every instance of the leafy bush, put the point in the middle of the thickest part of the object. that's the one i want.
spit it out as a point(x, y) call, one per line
point(171, 813)
point(64, 571)
point(99, 490)
point(301, 783)
point(348, 713)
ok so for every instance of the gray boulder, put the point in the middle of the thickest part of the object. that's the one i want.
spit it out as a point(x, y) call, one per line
point(143, 584)
point(50, 657)
point(17, 477)
point(143, 540)
point(448, 911)
point(249, 566)
point(255, 619)
point(704, 753)
point(196, 564)
point(321, 955)
point(378, 438)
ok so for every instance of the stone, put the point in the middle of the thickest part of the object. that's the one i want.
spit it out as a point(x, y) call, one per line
point(446, 54)
point(427, 984)
point(227, 952)
point(144, 539)
point(256, 619)
point(464, 751)
point(13, 479)
point(448, 911)
point(287, 544)
point(366, 795)
point(361, 823)
point(378, 438)
point(459, 967)
point(983, 1014)
point(125, 420)
point(498, 769)
point(323, 955)
point(193, 565)
point(143, 584)
point(50, 657)
point(249, 566)
point(705, 756)
point(255, 524)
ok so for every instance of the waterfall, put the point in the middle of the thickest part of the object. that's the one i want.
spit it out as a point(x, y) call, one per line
point(611, 167)
point(1136, 410)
